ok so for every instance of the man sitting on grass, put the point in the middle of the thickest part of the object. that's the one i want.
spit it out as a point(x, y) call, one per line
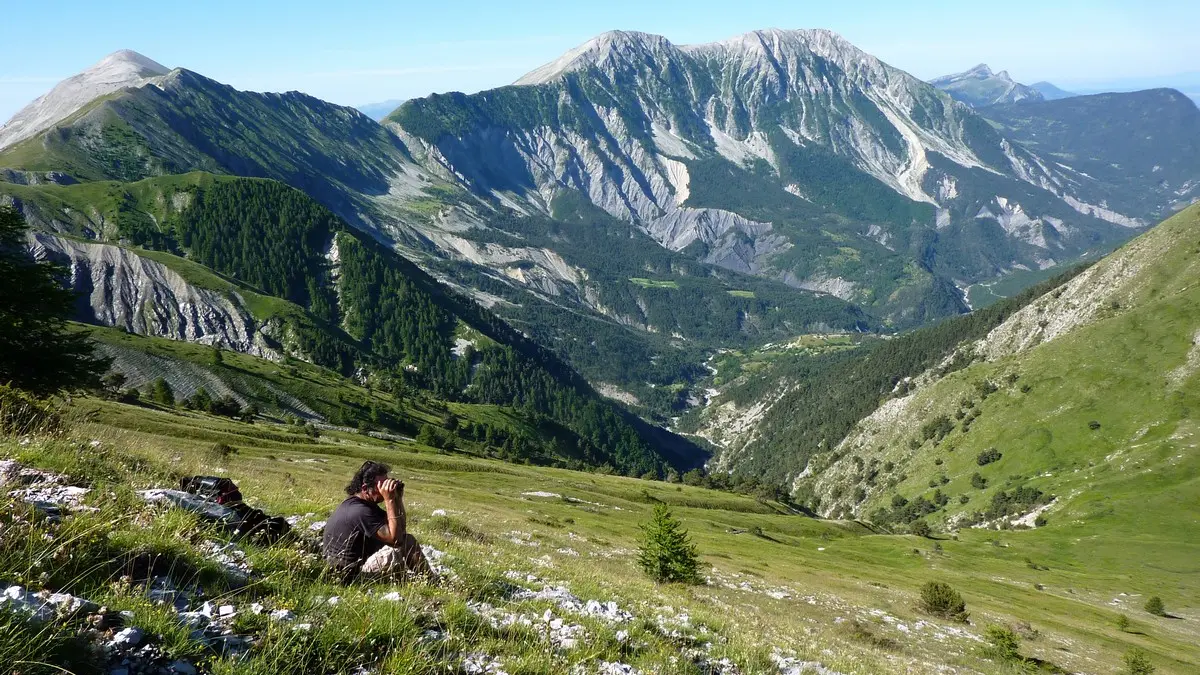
point(361, 538)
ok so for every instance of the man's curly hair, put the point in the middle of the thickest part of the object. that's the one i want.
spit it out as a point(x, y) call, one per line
point(366, 476)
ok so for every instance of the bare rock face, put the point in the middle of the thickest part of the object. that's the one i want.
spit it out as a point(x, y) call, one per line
point(644, 112)
point(122, 289)
point(116, 71)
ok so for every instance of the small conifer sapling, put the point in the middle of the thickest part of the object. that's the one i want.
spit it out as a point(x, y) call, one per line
point(667, 554)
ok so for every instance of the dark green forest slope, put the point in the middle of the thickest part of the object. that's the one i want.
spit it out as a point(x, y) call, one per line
point(369, 308)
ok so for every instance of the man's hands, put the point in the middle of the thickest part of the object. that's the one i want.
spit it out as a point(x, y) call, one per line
point(391, 489)
point(392, 492)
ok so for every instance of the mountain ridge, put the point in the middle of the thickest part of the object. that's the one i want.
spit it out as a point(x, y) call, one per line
point(634, 122)
point(120, 69)
point(772, 160)
point(979, 87)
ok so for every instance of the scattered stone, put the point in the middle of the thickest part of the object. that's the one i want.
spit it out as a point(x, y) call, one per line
point(17, 599)
point(394, 596)
point(559, 595)
point(515, 575)
point(438, 513)
point(283, 615)
point(182, 668)
point(69, 604)
point(790, 665)
point(561, 634)
point(482, 664)
point(232, 560)
point(161, 590)
point(48, 492)
point(437, 561)
point(607, 611)
point(127, 638)
point(616, 668)
point(198, 620)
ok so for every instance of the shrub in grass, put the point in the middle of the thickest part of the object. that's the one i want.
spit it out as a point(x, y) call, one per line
point(1137, 662)
point(219, 452)
point(1155, 606)
point(978, 481)
point(1123, 623)
point(940, 599)
point(22, 413)
point(920, 528)
point(1003, 644)
point(451, 526)
point(988, 456)
point(667, 554)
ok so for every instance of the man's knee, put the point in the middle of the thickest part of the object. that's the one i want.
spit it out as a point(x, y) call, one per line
point(410, 542)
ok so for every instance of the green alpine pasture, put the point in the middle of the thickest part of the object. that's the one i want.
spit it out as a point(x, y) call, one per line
point(833, 592)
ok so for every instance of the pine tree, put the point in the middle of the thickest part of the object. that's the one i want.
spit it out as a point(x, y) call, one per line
point(940, 599)
point(1137, 662)
point(667, 553)
point(37, 353)
point(162, 393)
point(1155, 606)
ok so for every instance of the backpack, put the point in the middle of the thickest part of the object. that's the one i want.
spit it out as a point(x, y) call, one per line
point(212, 488)
point(251, 523)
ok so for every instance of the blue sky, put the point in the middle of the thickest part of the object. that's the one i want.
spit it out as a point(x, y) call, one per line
point(362, 52)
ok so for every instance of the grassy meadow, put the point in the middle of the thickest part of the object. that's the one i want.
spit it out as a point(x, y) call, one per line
point(784, 590)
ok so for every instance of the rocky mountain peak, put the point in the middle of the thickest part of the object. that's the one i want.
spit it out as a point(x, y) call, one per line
point(777, 42)
point(127, 60)
point(981, 71)
point(121, 69)
point(604, 51)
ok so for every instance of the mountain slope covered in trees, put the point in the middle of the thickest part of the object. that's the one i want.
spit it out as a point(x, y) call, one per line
point(308, 286)
point(1139, 151)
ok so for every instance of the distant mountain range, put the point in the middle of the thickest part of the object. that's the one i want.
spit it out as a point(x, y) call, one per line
point(635, 204)
point(776, 153)
point(378, 111)
point(979, 87)
point(1050, 92)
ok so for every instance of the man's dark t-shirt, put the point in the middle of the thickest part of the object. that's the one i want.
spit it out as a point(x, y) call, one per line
point(350, 533)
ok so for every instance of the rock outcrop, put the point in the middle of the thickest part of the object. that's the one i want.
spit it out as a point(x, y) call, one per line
point(119, 288)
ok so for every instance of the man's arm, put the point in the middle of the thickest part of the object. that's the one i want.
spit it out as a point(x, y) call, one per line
point(393, 501)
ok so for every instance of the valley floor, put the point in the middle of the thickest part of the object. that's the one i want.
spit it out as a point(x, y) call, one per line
point(524, 550)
